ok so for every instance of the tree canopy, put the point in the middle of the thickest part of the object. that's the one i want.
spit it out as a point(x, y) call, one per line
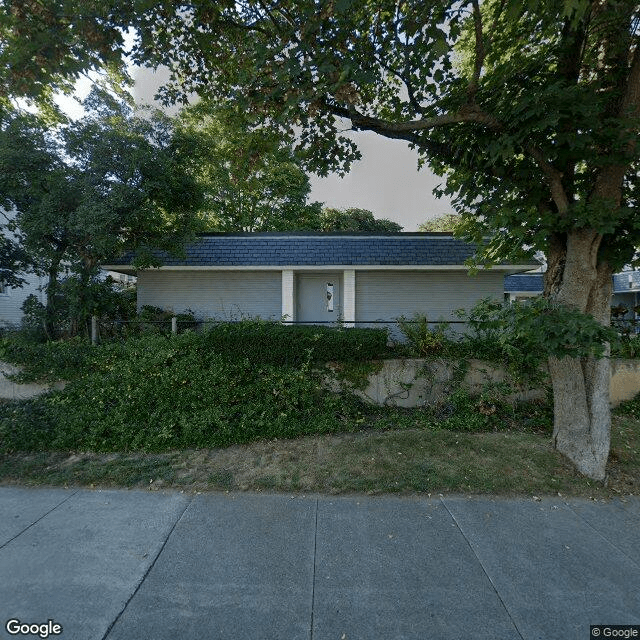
point(91, 189)
point(14, 262)
point(445, 222)
point(249, 174)
point(355, 219)
point(529, 109)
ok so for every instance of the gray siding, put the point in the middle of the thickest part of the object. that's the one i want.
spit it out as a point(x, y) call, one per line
point(229, 295)
point(385, 295)
point(11, 302)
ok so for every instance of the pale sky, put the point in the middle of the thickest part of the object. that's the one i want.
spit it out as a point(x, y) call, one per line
point(386, 181)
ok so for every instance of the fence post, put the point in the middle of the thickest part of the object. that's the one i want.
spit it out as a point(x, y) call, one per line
point(174, 325)
point(94, 330)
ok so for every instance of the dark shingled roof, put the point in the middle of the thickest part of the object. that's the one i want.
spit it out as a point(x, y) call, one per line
point(278, 249)
point(523, 282)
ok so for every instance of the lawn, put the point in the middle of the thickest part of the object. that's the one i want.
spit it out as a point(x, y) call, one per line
point(246, 408)
point(408, 460)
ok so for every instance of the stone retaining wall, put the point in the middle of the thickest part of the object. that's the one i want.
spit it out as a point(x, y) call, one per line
point(10, 390)
point(410, 382)
point(417, 382)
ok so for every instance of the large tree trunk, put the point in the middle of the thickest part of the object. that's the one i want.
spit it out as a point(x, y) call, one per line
point(582, 418)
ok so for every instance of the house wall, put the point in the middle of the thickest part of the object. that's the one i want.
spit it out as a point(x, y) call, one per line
point(11, 301)
point(226, 295)
point(385, 295)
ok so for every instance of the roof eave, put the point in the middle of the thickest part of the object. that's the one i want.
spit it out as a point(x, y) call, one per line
point(503, 268)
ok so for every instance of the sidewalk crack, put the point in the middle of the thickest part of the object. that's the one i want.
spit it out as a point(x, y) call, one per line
point(147, 572)
point(613, 544)
point(313, 580)
point(2, 546)
point(502, 602)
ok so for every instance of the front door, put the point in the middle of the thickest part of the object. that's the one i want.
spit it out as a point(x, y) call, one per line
point(319, 297)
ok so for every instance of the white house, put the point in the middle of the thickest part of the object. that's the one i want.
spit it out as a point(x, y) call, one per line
point(309, 277)
point(11, 299)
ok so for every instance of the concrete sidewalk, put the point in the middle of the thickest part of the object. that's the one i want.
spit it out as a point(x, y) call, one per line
point(128, 565)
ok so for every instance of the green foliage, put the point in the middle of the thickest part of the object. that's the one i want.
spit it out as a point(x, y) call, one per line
point(250, 174)
point(447, 222)
point(520, 336)
point(14, 261)
point(259, 342)
point(33, 318)
point(525, 334)
point(152, 319)
point(75, 301)
point(540, 328)
point(424, 339)
point(508, 100)
point(156, 393)
point(50, 361)
point(274, 344)
point(84, 191)
point(625, 345)
point(354, 219)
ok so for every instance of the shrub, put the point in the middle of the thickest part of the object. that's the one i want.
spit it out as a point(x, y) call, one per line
point(626, 346)
point(160, 394)
point(523, 335)
point(423, 340)
point(61, 359)
point(33, 316)
point(264, 342)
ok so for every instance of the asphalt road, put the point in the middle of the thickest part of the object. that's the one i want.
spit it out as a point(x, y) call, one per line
point(128, 565)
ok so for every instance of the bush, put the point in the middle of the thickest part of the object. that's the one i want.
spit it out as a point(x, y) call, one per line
point(523, 335)
point(160, 394)
point(424, 341)
point(626, 346)
point(58, 360)
point(33, 317)
point(264, 342)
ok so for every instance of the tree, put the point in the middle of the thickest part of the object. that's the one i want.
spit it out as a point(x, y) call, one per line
point(251, 178)
point(353, 219)
point(446, 222)
point(529, 109)
point(94, 188)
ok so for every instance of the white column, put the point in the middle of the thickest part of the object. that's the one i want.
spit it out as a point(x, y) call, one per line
point(288, 296)
point(349, 297)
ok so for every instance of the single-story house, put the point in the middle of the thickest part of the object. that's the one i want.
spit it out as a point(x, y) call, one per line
point(310, 277)
point(520, 286)
point(626, 289)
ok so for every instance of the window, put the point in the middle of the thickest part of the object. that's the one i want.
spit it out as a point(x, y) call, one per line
point(4, 289)
point(329, 296)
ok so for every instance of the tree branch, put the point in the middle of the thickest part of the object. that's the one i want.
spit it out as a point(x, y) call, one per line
point(553, 177)
point(470, 113)
point(408, 131)
point(608, 184)
point(479, 52)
